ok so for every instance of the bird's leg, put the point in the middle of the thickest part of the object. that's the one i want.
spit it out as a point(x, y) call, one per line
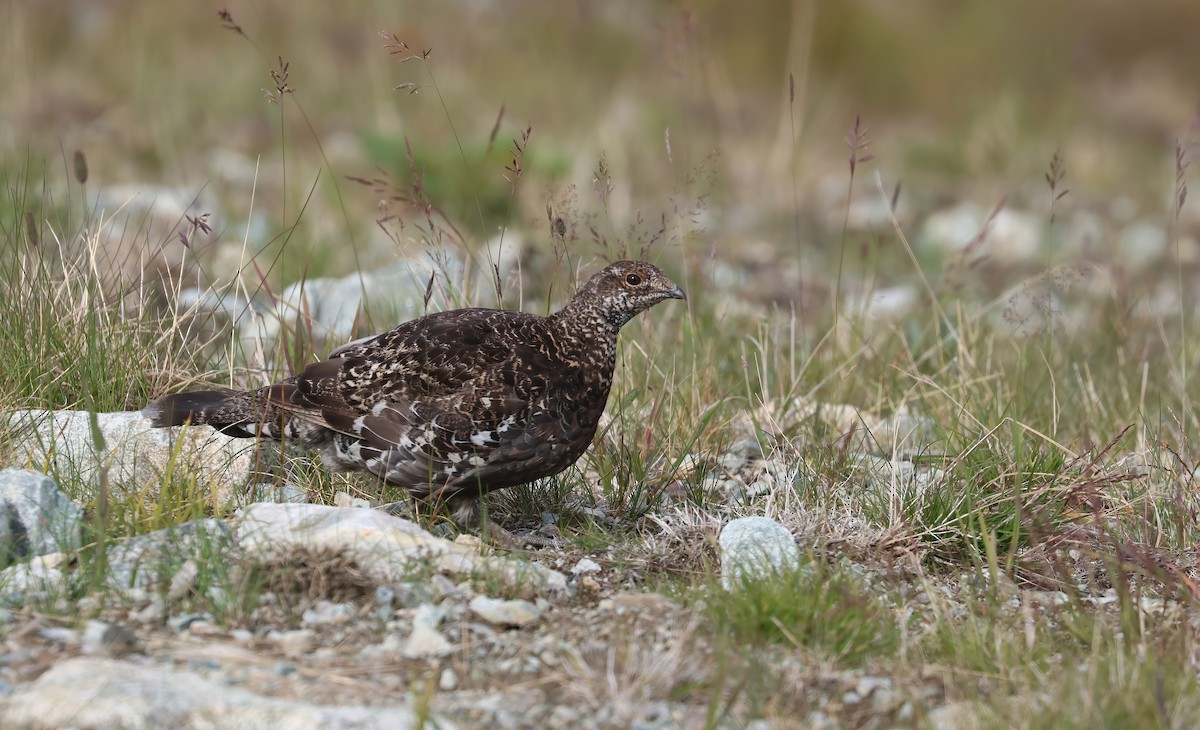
point(467, 512)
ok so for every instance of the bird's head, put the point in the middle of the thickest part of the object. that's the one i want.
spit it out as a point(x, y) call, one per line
point(622, 289)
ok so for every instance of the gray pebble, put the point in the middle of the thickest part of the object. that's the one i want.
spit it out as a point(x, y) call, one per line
point(327, 612)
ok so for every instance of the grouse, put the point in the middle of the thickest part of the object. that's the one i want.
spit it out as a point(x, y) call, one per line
point(454, 404)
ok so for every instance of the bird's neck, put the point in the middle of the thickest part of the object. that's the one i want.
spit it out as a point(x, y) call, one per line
point(587, 323)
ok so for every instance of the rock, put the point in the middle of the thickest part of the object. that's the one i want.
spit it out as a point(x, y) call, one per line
point(163, 555)
point(185, 621)
point(891, 304)
point(755, 548)
point(92, 692)
point(345, 500)
point(1084, 236)
point(35, 517)
point(950, 230)
point(413, 593)
point(1013, 237)
point(955, 716)
point(903, 434)
point(385, 602)
point(59, 635)
point(256, 326)
point(879, 689)
point(296, 643)
point(1141, 245)
point(39, 579)
point(839, 418)
point(586, 565)
point(112, 638)
point(865, 211)
point(426, 641)
point(395, 293)
point(135, 456)
point(153, 613)
point(277, 493)
point(384, 546)
point(392, 294)
point(448, 681)
point(228, 303)
point(184, 581)
point(1065, 299)
point(134, 213)
point(505, 613)
point(327, 612)
point(770, 477)
point(1029, 310)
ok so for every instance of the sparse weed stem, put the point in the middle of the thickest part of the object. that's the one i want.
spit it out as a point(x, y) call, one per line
point(1184, 149)
point(1054, 178)
point(858, 142)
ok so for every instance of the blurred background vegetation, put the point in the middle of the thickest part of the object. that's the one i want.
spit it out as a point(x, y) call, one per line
point(743, 106)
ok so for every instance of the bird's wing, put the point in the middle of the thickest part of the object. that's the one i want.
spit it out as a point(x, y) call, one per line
point(518, 441)
point(464, 398)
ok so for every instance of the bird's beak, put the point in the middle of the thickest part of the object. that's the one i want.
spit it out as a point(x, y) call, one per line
point(675, 293)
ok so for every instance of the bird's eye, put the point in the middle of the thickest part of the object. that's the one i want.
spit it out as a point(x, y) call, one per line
point(633, 280)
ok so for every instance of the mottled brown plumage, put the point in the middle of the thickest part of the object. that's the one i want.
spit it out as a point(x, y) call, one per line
point(455, 404)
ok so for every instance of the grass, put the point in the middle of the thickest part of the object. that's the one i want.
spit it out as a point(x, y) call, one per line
point(1005, 481)
point(812, 608)
point(995, 491)
point(76, 335)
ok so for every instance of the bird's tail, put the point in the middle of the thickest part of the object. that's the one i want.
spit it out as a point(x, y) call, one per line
point(233, 412)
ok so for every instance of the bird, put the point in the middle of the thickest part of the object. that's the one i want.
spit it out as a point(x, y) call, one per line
point(452, 405)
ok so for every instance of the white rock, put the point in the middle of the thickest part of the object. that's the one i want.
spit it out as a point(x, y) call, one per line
point(1141, 245)
point(397, 291)
point(426, 640)
point(1084, 236)
point(383, 545)
point(35, 517)
point(965, 715)
point(755, 548)
point(227, 303)
point(91, 692)
point(135, 455)
point(111, 638)
point(184, 581)
point(295, 643)
point(866, 211)
point(327, 612)
point(345, 499)
point(772, 476)
point(1013, 236)
point(139, 562)
point(40, 578)
point(505, 613)
point(59, 635)
point(891, 304)
point(130, 214)
point(780, 416)
point(902, 434)
point(586, 565)
point(948, 231)
point(265, 492)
